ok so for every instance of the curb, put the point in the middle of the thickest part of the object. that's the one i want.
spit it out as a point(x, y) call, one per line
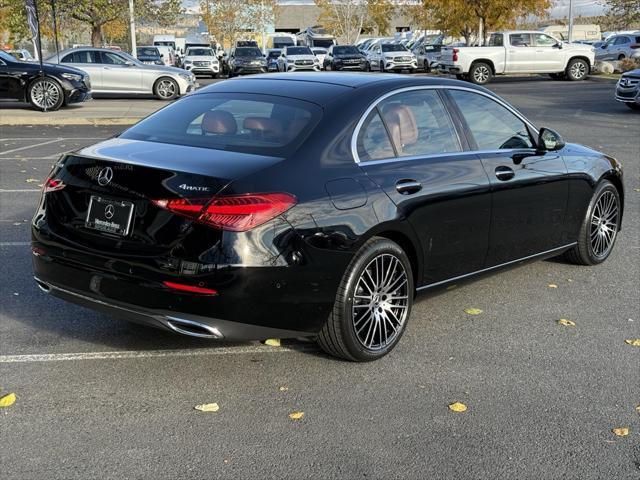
point(594, 78)
point(57, 121)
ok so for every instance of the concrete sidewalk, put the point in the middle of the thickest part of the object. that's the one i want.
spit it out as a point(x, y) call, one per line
point(94, 112)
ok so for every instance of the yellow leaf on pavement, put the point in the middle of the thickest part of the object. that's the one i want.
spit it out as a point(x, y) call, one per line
point(296, 415)
point(7, 400)
point(634, 342)
point(273, 342)
point(208, 407)
point(32, 180)
point(283, 388)
point(553, 285)
point(472, 311)
point(457, 407)
point(621, 432)
point(566, 323)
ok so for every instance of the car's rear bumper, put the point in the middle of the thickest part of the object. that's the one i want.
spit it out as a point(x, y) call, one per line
point(451, 69)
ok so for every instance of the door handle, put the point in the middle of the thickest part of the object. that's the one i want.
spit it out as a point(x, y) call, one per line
point(408, 186)
point(504, 173)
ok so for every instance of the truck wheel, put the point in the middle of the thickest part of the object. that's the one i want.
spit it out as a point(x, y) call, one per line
point(480, 73)
point(577, 69)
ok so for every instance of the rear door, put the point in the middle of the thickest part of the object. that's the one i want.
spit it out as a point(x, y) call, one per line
point(88, 61)
point(529, 188)
point(409, 146)
point(521, 54)
point(12, 81)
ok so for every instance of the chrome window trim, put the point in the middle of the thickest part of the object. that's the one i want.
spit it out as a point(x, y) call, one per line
point(356, 132)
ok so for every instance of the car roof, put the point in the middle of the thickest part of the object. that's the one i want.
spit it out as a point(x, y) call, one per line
point(322, 88)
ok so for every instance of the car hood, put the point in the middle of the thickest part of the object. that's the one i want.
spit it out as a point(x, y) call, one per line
point(55, 68)
point(632, 73)
point(398, 54)
point(349, 56)
point(302, 57)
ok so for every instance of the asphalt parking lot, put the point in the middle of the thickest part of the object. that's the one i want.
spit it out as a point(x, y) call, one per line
point(99, 397)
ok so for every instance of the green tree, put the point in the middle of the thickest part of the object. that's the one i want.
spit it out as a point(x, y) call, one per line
point(379, 14)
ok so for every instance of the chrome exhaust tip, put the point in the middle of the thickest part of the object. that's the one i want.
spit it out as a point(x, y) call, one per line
point(193, 329)
point(45, 287)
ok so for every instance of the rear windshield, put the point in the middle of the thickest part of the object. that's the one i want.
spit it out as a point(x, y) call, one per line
point(148, 52)
point(236, 122)
point(299, 51)
point(248, 52)
point(389, 47)
point(273, 54)
point(346, 50)
point(198, 52)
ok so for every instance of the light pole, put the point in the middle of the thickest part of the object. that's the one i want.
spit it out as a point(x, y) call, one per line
point(132, 25)
point(570, 20)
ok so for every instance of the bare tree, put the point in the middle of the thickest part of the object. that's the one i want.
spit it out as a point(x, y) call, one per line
point(344, 18)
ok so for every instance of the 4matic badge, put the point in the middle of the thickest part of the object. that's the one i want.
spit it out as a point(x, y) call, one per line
point(193, 188)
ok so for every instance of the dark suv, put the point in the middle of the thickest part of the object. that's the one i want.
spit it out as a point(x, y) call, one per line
point(245, 60)
point(345, 57)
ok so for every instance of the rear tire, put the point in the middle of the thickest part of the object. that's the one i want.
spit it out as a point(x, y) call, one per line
point(577, 69)
point(166, 88)
point(480, 73)
point(372, 305)
point(599, 228)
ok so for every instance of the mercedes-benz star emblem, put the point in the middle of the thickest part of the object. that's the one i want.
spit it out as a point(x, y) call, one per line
point(105, 176)
point(109, 211)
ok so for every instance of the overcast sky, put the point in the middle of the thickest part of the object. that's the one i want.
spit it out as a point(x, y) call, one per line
point(561, 8)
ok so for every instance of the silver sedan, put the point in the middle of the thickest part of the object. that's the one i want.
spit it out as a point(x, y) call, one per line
point(114, 72)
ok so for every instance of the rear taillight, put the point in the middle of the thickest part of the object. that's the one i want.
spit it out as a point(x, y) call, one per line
point(455, 55)
point(52, 185)
point(237, 213)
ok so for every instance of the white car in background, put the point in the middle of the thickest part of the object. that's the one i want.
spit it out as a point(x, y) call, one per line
point(114, 72)
point(321, 53)
point(201, 61)
point(294, 59)
point(389, 57)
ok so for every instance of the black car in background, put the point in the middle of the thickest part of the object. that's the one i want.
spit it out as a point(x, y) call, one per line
point(24, 82)
point(246, 60)
point(309, 204)
point(345, 57)
point(149, 55)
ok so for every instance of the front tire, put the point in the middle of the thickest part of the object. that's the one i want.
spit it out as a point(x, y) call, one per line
point(372, 305)
point(480, 73)
point(166, 88)
point(577, 69)
point(599, 228)
point(46, 94)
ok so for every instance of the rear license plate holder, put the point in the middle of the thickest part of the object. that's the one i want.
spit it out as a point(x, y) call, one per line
point(109, 216)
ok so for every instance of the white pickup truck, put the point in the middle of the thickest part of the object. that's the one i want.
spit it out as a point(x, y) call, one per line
point(518, 51)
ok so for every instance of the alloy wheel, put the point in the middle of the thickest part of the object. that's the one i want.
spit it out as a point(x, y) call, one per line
point(381, 302)
point(578, 70)
point(604, 224)
point(481, 74)
point(166, 88)
point(45, 94)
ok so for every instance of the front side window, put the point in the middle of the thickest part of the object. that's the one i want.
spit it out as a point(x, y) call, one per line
point(543, 40)
point(246, 123)
point(110, 58)
point(520, 39)
point(493, 126)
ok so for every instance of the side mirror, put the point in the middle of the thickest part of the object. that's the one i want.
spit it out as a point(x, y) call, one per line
point(558, 45)
point(550, 140)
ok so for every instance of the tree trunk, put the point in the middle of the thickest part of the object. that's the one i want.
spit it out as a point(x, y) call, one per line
point(96, 35)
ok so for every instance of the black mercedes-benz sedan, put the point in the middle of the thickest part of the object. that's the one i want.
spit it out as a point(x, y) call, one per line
point(49, 89)
point(315, 205)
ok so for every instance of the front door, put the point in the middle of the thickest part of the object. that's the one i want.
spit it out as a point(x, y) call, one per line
point(549, 56)
point(12, 81)
point(529, 187)
point(117, 76)
point(521, 54)
point(409, 146)
point(89, 62)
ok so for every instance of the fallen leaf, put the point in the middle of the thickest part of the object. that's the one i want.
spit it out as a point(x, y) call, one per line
point(31, 180)
point(552, 285)
point(283, 388)
point(296, 415)
point(7, 400)
point(17, 223)
point(634, 342)
point(273, 342)
point(566, 323)
point(208, 407)
point(16, 294)
point(638, 409)
point(569, 280)
point(636, 190)
point(457, 407)
point(472, 311)
point(621, 432)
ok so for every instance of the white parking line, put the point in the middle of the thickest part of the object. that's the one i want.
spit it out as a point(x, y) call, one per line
point(132, 354)
point(20, 190)
point(32, 146)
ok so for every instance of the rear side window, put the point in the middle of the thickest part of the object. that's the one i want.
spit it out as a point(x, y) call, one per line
point(496, 40)
point(247, 123)
point(373, 140)
point(520, 39)
point(493, 126)
point(83, 56)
